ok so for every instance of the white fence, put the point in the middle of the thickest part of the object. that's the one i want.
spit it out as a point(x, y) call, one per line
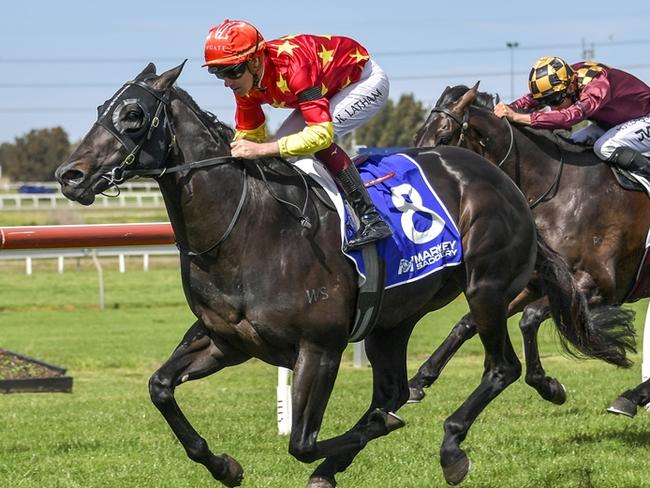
point(61, 254)
point(133, 185)
point(26, 201)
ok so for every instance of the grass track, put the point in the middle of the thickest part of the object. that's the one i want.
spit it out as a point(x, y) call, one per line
point(108, 434)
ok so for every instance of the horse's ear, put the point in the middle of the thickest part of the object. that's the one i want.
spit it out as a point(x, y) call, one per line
point(150, 69)
point(467, 99)
point(168, 78)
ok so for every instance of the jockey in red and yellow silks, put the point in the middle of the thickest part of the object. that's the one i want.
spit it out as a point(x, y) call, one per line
point(329, 81)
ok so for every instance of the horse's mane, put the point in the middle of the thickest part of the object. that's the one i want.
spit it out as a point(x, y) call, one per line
point(220, 130)
point(453, 93)
point(487, 101)
point(225, 133)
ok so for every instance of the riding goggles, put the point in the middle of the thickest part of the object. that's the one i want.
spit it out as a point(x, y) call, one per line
point(232, 71)
point(553, 99)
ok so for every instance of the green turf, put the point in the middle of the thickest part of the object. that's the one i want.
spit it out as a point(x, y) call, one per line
point(108, 434)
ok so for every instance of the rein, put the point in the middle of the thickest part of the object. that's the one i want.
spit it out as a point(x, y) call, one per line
point(556, 183)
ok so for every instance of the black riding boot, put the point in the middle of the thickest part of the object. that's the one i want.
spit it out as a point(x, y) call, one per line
point(631, 160)
point(372, 226)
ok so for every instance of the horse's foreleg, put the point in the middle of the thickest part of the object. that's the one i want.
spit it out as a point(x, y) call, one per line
point(549, 388)
point(314, 376)
point(430, 370)
point(386, 351)
point(627, 403)
point(501, 369)
point(198, 355)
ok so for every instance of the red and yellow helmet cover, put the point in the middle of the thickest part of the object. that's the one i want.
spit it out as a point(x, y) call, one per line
point(232, 42)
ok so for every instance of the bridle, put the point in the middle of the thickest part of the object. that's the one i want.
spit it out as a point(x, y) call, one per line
point(464, 126)
point(134, 142)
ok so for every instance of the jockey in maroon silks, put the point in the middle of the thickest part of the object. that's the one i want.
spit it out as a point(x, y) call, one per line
point(616, 102)
point(330, 82)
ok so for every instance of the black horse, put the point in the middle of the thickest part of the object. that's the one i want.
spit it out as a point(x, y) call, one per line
point(582, 212)
point(248, 265)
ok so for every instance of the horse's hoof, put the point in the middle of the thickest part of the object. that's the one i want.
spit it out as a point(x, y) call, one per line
point(559, 392)
point(623, 406)
point(320, 482)
point(234, 471)
point(457, 471)
point(390, 420)
point(416, 394)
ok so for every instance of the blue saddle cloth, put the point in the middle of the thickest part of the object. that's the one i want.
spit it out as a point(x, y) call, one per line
point(425, 239)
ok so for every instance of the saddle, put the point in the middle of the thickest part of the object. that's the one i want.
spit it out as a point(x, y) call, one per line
point(623, 177)
point(626, 179)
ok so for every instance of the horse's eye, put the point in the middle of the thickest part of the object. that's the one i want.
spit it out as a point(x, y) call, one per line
point(133, 116)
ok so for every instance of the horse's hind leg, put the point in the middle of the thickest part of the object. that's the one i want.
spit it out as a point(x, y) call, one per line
point(430, 370)
point(386, 350)
point(197, 356)
point(627, 403)
point(532, 317)
point(501, 368)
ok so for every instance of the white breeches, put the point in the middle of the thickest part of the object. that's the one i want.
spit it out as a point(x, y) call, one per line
point(350, 108)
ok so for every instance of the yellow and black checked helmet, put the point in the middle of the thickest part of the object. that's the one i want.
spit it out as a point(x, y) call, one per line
point(548, 76)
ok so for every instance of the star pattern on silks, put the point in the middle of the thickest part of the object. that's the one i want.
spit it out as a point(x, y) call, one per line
point(290, 36)
point(347, 82)
point(358, 56)
point(327, 36)
point(282, 84)
point(325, 55)
point(323, 89)
point(279, 104)
point(286, 47)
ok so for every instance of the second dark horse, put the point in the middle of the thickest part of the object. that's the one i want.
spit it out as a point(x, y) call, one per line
point(580, 210)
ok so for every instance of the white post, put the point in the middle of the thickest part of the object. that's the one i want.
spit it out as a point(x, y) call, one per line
point(359, 358)
point(122, 262)
point(284, 401)
point(60, 264)
point(145, 262)
point(645, 365)
point(100, 275)
point(28, 265)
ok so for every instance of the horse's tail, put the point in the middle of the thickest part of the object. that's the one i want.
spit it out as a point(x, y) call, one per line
point(605, 332)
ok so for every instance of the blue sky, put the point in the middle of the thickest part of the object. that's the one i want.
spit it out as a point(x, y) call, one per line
point(59, 60)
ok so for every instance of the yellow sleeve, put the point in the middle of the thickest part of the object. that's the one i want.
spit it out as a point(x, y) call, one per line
point(258, 134)
point(311, 139)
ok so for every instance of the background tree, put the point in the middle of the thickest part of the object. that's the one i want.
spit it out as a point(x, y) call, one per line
point(394, 125)
point(36, 155)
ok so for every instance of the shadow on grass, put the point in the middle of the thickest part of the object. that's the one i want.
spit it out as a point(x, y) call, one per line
point(628, 435)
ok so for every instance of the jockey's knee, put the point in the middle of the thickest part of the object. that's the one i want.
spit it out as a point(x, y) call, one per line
point(604, 148)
